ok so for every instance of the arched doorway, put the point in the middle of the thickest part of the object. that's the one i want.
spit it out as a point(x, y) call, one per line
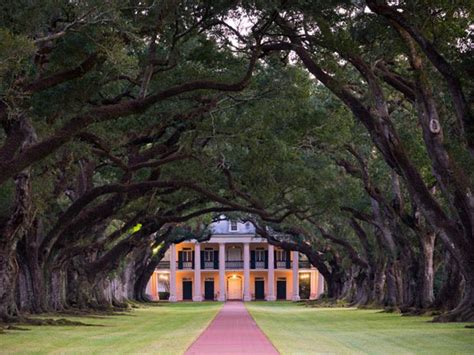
point(234, 287)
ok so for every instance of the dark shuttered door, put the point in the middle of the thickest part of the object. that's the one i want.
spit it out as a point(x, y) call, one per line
point(259, 289)
point(209, 290)
point(281, 289)
point(187, 290)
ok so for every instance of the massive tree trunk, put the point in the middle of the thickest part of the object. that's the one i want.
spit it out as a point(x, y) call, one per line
point(464, 311)
point(334, 286)
point(55, 293)
point(379, 285)
point(457, 229)
point(449, 295)
point(387, 242)
point(146, 271)
point(16, 226)
point(374, 283)
point(426, 277)
point(31, 284)
point(8, 277)
point(363, 283)
point(391, 294)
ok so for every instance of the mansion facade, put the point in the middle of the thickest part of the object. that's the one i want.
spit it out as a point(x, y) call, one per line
point(234, 264)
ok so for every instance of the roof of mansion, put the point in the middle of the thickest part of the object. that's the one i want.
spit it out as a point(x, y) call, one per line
point(228, 227)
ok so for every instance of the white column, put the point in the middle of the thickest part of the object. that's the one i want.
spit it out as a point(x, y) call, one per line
point(197, 297)
point(271, 273)
point(222, 285)
point(247, 272)
point(173, 297)
point(296, 279)
point(320, 284)
point(313, 285)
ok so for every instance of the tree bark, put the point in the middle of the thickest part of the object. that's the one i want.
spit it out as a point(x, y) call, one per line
point(8, 277)
point(455, 231)
point(464, 311)
point(449, 295)
point(14, 229)
point(426, 278)
point(144, 274)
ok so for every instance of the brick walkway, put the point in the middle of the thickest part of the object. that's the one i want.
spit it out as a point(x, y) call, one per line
point(233, 331)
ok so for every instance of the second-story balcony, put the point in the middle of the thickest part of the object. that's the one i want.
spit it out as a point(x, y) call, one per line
point(234, 264)
point(210, 265)
point(262, 264)
point(282, 264)
point(185, 265)
point(209, 260)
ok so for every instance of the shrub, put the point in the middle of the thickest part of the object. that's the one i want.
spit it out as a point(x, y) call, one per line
point(164, 295)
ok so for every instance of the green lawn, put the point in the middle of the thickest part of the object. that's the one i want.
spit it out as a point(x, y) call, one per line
point(295, 329)
point(164, 329)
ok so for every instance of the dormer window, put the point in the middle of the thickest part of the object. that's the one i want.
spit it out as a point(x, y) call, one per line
point(233, 226)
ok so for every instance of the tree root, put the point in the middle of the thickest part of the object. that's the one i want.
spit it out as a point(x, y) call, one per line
point(413, 311)
point(10, 327)
point(14, 324)
point(142, 304)
point(326, 303)
point(79, 312)
point(390, 309)
point(55, 322)
point(456, 315)
point(373, 305)
point(96, 309)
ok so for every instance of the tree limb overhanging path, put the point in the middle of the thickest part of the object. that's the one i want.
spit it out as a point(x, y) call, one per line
point(342, 130)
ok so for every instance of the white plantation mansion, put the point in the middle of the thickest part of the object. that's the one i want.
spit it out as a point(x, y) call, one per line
point(234, 264)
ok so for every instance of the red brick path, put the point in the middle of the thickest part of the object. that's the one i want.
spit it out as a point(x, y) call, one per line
point(233, 331)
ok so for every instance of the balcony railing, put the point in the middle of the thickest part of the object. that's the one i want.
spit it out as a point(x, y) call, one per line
point(234, 264)
point(304, 264)
point(185, 265)
point(283, 264)
point(210, 265)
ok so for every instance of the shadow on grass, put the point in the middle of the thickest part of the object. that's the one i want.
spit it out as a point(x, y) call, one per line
point(39, 322)
point(56, 319)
